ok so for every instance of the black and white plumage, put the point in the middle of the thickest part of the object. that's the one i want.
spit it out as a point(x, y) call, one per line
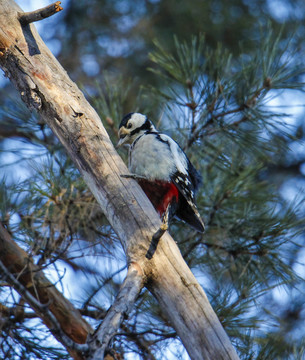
point(165, 173)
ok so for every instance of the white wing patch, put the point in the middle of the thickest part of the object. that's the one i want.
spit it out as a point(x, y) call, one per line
point(186, 188)
point(178, 155)
point(184, 185)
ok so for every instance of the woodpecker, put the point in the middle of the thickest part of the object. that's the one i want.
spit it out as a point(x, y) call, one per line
point(162, 169)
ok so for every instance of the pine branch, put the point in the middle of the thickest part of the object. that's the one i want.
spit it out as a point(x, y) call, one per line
point(14, 260)
point(43, 311)
point(64, 108)
point(142, 344)
point(197, 133)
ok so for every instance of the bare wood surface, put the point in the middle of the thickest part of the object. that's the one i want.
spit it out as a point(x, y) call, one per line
point(45, 86)
point(58, 311)
point(122, 306)
point(40, 14)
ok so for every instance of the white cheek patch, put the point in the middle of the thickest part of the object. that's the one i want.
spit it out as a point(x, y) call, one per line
point(137, 120)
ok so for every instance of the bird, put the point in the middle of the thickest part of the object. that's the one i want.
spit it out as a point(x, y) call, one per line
point(162, 169)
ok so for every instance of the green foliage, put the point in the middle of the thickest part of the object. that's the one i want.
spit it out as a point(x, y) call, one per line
point(215, 105)
point(220, 107)
point(112, 98)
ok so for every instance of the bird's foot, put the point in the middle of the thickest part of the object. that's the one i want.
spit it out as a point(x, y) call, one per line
point(164, 225)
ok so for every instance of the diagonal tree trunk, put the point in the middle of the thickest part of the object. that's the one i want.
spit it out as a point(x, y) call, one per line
point(46, 87)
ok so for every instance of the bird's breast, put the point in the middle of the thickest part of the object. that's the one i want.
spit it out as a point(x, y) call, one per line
point(152, 159)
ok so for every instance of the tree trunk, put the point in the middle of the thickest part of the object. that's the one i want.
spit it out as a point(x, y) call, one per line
point(46, 87)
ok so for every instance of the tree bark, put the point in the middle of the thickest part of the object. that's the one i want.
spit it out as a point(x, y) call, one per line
point(34, 281)
point(122, 306)
point(46, 87)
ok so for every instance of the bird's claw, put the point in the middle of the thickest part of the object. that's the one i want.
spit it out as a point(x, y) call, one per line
point(164, 225)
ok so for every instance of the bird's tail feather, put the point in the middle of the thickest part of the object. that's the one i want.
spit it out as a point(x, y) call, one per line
point(189, 213)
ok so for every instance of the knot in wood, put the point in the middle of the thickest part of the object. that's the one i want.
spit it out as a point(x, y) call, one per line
point(35, 100)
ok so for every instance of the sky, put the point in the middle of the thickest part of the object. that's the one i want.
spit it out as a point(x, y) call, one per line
point(288, 101)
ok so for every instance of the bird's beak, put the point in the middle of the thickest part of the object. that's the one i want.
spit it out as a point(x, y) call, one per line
point(123, 137)
point(120, 142)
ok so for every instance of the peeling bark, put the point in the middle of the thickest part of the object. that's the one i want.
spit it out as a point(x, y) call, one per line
point(46, 87)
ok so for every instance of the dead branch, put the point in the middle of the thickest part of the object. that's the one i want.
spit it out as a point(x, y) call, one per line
point(44, 86)
point(40, 14)
point(119, 310)
point(31, 278)
point(43, 311)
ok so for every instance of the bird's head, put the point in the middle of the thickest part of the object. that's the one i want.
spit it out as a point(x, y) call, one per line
point(132, 126)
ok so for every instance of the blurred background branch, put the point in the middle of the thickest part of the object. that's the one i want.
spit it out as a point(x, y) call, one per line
point(233, 98)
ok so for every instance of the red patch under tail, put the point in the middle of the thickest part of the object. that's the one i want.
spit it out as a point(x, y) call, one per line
point(160, 193)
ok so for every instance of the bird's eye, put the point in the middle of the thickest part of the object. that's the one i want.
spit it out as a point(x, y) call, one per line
point(129, 125)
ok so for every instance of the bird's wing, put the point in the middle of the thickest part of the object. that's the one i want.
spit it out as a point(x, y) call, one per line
point(183, 180)
point(182, 177)
point(187, 209)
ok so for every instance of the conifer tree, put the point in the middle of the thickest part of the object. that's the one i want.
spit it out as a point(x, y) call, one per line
point(218, 108)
